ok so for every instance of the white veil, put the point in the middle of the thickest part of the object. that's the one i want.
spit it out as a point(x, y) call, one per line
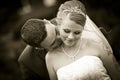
point(92, 31)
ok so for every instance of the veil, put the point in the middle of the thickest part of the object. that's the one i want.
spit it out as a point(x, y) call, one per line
point(92, 31)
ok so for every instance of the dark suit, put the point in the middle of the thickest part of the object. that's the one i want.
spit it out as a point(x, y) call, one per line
point(32, 63)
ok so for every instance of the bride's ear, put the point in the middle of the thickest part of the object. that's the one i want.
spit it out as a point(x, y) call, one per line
point(58, 21)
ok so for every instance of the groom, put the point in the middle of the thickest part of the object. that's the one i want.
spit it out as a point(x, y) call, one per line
point(36, 33)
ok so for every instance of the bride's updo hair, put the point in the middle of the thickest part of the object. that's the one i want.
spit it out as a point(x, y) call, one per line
point(75, 9)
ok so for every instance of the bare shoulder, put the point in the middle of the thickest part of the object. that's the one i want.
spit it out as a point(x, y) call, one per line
point(51, 55)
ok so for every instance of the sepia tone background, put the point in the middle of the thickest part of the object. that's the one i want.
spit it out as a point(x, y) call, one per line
point(14, 13)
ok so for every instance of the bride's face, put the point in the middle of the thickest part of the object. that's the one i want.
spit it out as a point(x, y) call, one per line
point(70, 32)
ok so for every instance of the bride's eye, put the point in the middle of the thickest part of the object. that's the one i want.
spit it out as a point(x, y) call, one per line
point(77, 32)
point(66, 30)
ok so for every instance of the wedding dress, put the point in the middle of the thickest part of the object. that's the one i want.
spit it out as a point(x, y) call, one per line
point(85, 68)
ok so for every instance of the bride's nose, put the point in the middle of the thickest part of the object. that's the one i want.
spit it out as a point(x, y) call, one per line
point(71, 36)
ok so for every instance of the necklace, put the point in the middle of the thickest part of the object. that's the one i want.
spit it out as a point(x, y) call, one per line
point(71, 56)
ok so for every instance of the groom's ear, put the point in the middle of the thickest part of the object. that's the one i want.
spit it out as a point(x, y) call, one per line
point(33, 32)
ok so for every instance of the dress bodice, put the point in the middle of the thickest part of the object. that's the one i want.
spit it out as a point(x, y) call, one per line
point(85, 68)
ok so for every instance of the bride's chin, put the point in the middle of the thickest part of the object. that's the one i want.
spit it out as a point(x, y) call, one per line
point(69, 44)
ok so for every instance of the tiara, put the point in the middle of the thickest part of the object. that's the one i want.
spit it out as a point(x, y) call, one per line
point(74, 9)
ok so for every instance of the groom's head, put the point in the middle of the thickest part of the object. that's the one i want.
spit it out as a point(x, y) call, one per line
point(38, 33)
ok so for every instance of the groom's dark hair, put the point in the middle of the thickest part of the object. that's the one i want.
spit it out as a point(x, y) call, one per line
point(33, 32)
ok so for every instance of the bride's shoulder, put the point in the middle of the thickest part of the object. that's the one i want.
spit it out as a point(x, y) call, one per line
point(53, 53)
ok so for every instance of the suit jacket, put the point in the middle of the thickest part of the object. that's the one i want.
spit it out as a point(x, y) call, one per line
point(33, 61)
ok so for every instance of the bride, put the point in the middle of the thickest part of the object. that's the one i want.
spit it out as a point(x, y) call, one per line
point(84, 54)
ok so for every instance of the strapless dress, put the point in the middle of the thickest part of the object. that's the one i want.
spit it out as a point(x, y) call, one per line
point(85, 68)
